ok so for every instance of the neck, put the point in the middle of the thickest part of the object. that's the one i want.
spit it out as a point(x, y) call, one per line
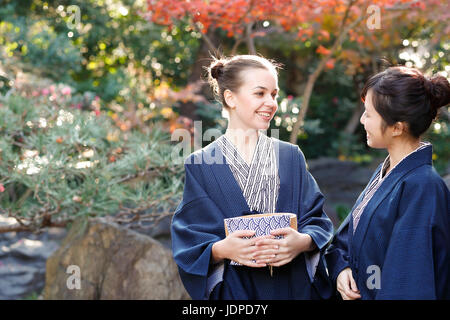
point(244, 140)
point(400, 149)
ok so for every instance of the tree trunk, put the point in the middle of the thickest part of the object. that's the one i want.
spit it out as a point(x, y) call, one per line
point(208, 47)
point(313, 77)
point(249, 39)
point(353, 123)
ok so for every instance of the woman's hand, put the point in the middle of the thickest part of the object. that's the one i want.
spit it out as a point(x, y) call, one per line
point(346, 285)
point(235, 247)
point(278, 252)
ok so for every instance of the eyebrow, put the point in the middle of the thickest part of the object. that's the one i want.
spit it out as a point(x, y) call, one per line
point(264, 88)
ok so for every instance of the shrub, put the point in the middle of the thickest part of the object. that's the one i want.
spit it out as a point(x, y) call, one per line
point(59, 162)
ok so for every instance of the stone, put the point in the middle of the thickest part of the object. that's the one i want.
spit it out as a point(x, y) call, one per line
point(447, 180)
point(22, 260)
point(18, 281)
point(33, 249)
point(341, 182)
point(114, 262)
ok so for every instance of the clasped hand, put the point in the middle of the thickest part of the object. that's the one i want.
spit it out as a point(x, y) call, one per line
point(266, 250)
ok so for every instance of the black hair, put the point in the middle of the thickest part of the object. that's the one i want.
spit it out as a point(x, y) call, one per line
point(402, 94)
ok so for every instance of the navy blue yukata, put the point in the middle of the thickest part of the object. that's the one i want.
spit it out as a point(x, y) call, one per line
point(400, 248)
point(211, 193)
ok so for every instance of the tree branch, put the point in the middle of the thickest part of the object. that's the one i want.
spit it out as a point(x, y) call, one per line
point(249, 38)
point(313, 77)
point(31, 228)
point(208, 41)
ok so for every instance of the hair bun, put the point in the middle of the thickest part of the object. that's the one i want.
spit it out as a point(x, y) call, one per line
point(217, 69)
point(438, 88)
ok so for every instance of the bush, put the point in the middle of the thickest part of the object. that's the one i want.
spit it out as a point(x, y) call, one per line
point(59, 162)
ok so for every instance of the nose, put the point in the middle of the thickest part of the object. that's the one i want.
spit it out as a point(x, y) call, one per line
point(272, 104)
point(361, 120)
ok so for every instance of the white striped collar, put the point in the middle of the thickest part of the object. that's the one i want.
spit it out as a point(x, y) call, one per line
point(387, 161)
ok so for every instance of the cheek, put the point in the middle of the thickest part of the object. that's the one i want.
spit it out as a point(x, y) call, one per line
point(371, 124)
point(250, 103)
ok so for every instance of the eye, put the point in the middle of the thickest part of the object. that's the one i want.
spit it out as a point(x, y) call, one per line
point(260, 94)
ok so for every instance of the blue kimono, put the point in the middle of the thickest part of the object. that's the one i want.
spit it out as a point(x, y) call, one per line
point(211, 193)
point(400, 248)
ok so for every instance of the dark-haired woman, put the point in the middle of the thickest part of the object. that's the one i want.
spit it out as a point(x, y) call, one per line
point(395, 243)
point(245, 171)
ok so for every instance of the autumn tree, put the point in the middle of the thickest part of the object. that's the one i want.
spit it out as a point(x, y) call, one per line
point(330, 22)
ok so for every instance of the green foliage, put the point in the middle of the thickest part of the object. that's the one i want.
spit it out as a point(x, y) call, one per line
point(95, 54)
point(32, 296)
point(61, 163)
point(116, 60)
point(211, 117)
point(342, 211)
point(330, 110)
point(439, 136)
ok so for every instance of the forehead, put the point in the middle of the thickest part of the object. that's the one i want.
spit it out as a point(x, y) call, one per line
point(368, 100)
point(256, 77)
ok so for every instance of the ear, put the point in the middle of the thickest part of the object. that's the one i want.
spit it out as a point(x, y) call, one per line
point(229, 98)
point(399, 128)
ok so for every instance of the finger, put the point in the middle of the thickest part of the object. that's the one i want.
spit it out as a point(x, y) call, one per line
point(343, 287)
point(265, 252)
point(267, 236)
point(271, 259)
point(258, 240)
point(268, 242)
point(251, 250)
point(265, 259)
point(341, 292)
point(353, 286)
point(243, 233)
point(352, 295)
point(252, 263)
point(344, 296)
point(260, 246)
point(279, 232)
point(278, 262)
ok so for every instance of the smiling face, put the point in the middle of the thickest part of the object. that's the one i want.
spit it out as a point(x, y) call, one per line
point(255, 103)
point(373, 124)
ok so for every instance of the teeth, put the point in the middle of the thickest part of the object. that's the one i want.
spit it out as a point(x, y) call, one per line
point(264, 114)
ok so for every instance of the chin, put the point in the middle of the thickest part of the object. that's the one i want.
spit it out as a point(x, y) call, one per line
point(264, 127)
point(375, 146)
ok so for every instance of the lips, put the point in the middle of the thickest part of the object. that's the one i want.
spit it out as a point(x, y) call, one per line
point(266, 115)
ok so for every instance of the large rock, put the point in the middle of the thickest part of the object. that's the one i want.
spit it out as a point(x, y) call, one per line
point(341, 182)
point(22, 260)
point(447, 180)
point(114, 263)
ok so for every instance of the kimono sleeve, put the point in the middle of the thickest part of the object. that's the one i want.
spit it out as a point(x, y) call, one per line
point(196, 225)
point(416, 265)
point(337, 253)
point(312, 219)
point(314, 222)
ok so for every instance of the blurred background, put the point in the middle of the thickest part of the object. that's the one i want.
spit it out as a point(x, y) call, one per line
point(92, 91)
